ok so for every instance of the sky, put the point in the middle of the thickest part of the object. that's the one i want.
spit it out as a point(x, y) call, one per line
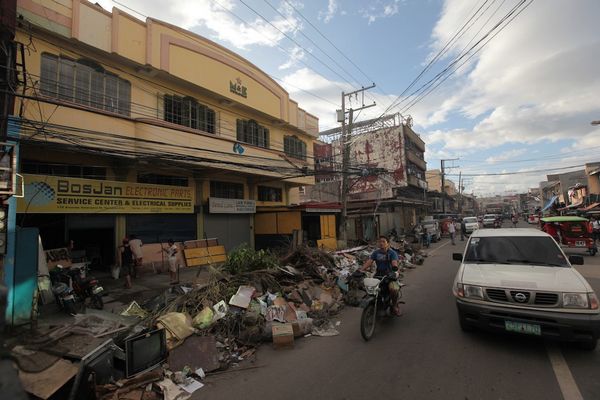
point(503, 92)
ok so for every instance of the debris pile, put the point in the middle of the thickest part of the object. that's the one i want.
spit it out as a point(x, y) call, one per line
point(203, 328)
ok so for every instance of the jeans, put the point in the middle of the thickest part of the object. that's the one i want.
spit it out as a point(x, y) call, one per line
point(452, 237)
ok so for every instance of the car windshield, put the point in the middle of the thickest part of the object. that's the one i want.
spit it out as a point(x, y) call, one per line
point(470, 219)
point(527, 250)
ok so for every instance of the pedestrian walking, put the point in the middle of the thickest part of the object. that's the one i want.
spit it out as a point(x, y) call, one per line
point(463, 230)
point(426, 238)
point(126, 262)
point(515, 219)
point(451, 230)
point(596, 229)
point(136, 248)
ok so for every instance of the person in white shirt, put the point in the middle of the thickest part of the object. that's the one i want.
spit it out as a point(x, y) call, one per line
point(451, 230)
point(596, 229)
point(138, 254)
point(172, 257)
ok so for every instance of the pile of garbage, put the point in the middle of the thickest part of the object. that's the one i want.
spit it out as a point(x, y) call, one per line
point(211, 326)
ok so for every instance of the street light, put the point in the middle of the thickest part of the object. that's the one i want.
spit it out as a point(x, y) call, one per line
point(597, 122)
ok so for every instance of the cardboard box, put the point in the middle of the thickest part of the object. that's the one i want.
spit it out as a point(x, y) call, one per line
point(283, 336)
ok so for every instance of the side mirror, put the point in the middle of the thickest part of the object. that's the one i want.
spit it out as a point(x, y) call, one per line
point(458, 256)
point(576, 260)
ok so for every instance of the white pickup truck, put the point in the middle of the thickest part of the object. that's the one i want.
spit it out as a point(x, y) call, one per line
point(519, 280)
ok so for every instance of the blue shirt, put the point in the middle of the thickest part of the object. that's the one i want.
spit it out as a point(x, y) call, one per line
point(383, 260)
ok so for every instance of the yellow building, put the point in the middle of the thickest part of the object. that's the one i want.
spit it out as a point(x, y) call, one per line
point(141, 127)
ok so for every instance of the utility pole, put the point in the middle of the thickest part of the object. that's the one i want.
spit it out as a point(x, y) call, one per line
point(460, 192)
point(443, 172)
point(345, 143)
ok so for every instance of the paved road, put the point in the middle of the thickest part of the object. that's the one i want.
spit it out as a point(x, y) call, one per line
point(422, 355)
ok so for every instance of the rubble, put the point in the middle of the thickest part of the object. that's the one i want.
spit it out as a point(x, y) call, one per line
point(218, 323)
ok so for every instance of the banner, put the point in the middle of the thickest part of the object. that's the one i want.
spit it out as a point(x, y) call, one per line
point(231, 206)
point(57, 194)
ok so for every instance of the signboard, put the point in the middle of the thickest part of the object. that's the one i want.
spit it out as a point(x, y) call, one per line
point(231, 206)
point(57, 194)
point(237, 88)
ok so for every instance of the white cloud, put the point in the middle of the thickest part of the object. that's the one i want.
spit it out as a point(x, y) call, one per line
point(217, 18)
point(506, 155)
point(297, 54)
point(332, 8)
point(380, 9)
point(536, 82)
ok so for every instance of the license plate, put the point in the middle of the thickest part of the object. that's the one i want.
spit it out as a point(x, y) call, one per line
point(519, 327)
point(580, 244)
point(97, 289)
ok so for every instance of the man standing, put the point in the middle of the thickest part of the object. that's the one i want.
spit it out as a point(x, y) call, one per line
point(463, 229)
point(126, 262)
point(385, 259)
point(596, 229)
point(451, 230)
point(172, 256)
point(136, 248)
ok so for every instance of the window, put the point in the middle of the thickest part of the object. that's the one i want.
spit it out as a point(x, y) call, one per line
point(84, 82)
point(73, 171)
point(162, 179)
point(188, 112)
point(226, 190)
point(521, 250)
point(294, 147)
point(249, 131)
point(266, 193)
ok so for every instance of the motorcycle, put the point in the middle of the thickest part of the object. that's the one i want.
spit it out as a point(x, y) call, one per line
point(377, 303)
point(73, 285)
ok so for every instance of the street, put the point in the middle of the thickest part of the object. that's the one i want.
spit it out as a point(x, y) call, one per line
point(421, 355)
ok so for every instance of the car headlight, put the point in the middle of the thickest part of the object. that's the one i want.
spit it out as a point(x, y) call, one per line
point(575, 300)
point(470, 291)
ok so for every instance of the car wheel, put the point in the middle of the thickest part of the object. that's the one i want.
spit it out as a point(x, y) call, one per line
point(589, 345)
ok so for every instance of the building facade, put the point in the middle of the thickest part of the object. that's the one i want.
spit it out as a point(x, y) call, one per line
point(387, 186)
point(140, 127)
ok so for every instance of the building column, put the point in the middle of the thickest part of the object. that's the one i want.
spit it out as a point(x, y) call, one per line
point(199, 208)
point(120, 233)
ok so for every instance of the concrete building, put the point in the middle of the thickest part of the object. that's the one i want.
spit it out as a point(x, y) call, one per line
point(387, 177)
point(140, 127)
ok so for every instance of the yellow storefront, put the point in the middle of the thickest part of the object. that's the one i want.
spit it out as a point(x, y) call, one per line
point(97, 214)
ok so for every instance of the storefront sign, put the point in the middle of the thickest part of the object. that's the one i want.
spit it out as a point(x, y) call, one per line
point(56, 194)
point(237, 88)
point(231, 206)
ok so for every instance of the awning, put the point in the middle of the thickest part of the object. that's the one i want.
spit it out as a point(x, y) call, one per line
point(590, 207)
point(595, 171)
point(549, 203)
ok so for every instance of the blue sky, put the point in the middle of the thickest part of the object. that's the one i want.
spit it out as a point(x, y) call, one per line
point(523, 102)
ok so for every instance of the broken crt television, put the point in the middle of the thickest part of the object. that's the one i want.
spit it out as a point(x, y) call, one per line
point(145, 351)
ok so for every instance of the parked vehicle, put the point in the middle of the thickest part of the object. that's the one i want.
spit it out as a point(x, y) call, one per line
point(79, 288)
point(571, 232)
point(471, 224)
point(494, 291)
point(433, 228)
point(376, 304)
point(64, 297)
point(489, 220)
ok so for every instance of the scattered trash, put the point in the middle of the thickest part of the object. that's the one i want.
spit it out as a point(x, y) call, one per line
point(134, 310)
point(204, 319)
point(325, 328)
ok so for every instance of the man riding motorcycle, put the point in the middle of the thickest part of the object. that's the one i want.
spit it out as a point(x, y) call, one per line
point(385, 259)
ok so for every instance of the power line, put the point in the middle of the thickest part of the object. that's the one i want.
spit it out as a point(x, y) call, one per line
point(312, 41)
point(453, 67)
point(523, 172)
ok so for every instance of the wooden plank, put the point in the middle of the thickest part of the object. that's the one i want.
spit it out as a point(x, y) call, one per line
point(204, 252)
point(330, 244)
point(44, 384)
point(193, 262)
